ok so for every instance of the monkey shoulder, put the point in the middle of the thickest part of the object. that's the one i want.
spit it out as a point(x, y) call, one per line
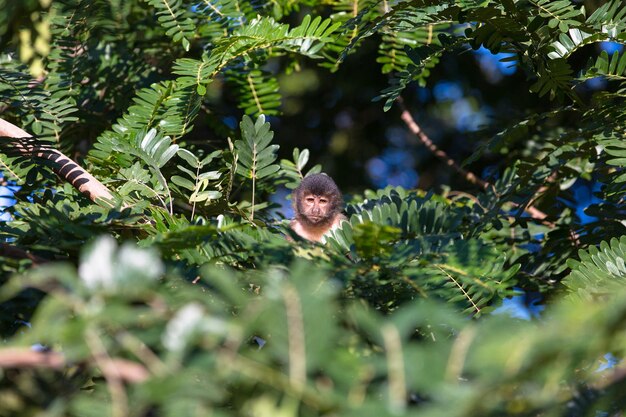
point(339, 218)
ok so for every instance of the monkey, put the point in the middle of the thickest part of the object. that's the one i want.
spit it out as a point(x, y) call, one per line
point(317, 205)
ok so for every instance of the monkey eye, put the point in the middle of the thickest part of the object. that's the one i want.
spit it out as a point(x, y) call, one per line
point(323, 200)
point(310, 199)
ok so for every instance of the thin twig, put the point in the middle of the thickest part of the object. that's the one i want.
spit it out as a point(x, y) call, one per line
point(295, 327)
point(142, 352)
point(23, 358)
point(455, 195)
point(119, 399)
point(458, 354)
point(408, 119)
point(17, 253)
point(465, 294)
point(26, 358)
point(193, 208)
point(395, 368)
point(414, 127)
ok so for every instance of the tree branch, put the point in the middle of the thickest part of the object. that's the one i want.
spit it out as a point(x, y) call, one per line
point(63, 166)
point(13, 252)
point(408, 119)
point(417, 131)
point(128, 371)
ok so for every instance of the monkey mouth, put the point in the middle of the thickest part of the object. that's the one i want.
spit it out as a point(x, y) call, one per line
point(315, 221)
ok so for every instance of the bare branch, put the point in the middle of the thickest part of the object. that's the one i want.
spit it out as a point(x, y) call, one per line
point(408, 119)
point(13, 252)
point(64, 167)
point(26, 358)
point(112, 375)
point(17, 358)
point(414, 127)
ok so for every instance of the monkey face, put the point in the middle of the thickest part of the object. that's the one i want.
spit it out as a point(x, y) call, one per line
point(316, 208)
point(316, 202)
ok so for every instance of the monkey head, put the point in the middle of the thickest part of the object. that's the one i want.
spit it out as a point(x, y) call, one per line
point(317, 201)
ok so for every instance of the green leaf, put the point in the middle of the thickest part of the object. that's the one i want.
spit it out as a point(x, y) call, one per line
point(174, 17)
point(599, 272)
point(303, 158)
point(183, 182)
point(205, 196)
point(210, 175)
point(188, 156)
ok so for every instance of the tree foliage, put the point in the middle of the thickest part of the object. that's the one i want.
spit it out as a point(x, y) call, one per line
point(186, 294)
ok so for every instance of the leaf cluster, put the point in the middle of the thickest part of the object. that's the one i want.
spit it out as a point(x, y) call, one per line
point(192, 296)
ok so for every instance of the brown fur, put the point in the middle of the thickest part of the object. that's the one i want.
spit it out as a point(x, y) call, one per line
point(317, 205)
